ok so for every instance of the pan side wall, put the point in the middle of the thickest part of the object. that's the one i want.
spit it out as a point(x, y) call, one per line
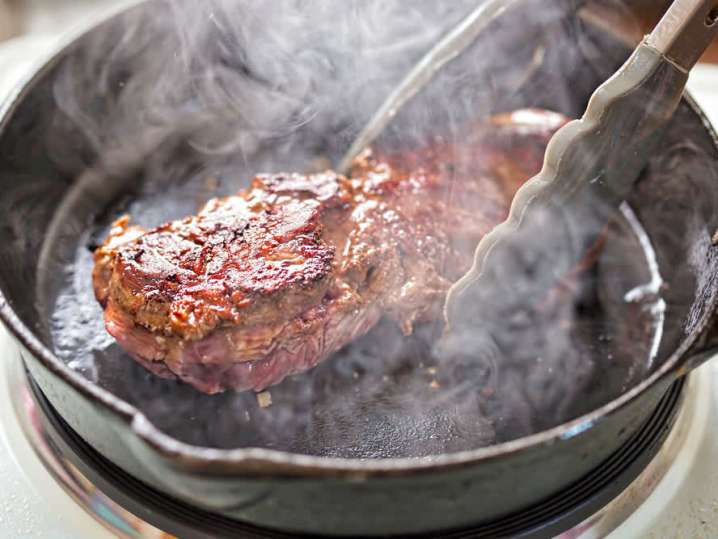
point(417, 501)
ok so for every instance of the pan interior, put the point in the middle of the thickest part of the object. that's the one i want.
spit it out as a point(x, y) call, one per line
point(384, 395)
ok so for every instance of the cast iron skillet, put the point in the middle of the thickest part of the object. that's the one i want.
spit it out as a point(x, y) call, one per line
point(676, 202)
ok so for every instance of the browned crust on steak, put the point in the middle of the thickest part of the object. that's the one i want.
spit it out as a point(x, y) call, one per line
point(241, 260)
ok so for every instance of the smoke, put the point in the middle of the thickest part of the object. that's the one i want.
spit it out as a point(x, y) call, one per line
point(299, 78)
point(232, 77)
point(178, 92)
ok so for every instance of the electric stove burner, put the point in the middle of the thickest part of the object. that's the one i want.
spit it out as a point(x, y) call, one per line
point(133, 509)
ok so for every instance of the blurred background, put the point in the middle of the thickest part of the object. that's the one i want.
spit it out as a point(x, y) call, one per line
point(19, 17)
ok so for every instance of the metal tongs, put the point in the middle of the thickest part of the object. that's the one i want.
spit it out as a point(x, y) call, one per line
point(591, 164)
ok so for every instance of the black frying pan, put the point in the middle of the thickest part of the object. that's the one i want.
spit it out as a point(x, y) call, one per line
point(372, 467)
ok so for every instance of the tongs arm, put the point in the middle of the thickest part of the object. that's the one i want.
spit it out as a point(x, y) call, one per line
point(594, 162)
point(685, 31)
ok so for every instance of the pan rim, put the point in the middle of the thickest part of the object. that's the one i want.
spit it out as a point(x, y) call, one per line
point(256, 462)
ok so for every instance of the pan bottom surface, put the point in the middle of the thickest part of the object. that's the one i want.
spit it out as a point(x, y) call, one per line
point(156, 511)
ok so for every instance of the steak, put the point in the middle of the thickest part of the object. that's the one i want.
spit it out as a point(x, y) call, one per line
point(273, 280)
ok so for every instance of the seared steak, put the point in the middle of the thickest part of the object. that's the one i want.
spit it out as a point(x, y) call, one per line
point(271, 281)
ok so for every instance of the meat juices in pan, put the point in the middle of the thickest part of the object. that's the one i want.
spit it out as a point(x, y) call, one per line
point(273, 280)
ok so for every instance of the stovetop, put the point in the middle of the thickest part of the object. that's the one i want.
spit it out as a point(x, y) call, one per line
point(677, 495)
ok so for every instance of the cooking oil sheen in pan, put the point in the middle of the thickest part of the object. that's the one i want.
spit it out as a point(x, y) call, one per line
point(384, 395)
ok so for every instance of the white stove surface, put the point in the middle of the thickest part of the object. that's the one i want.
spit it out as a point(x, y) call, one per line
point(684, 503)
